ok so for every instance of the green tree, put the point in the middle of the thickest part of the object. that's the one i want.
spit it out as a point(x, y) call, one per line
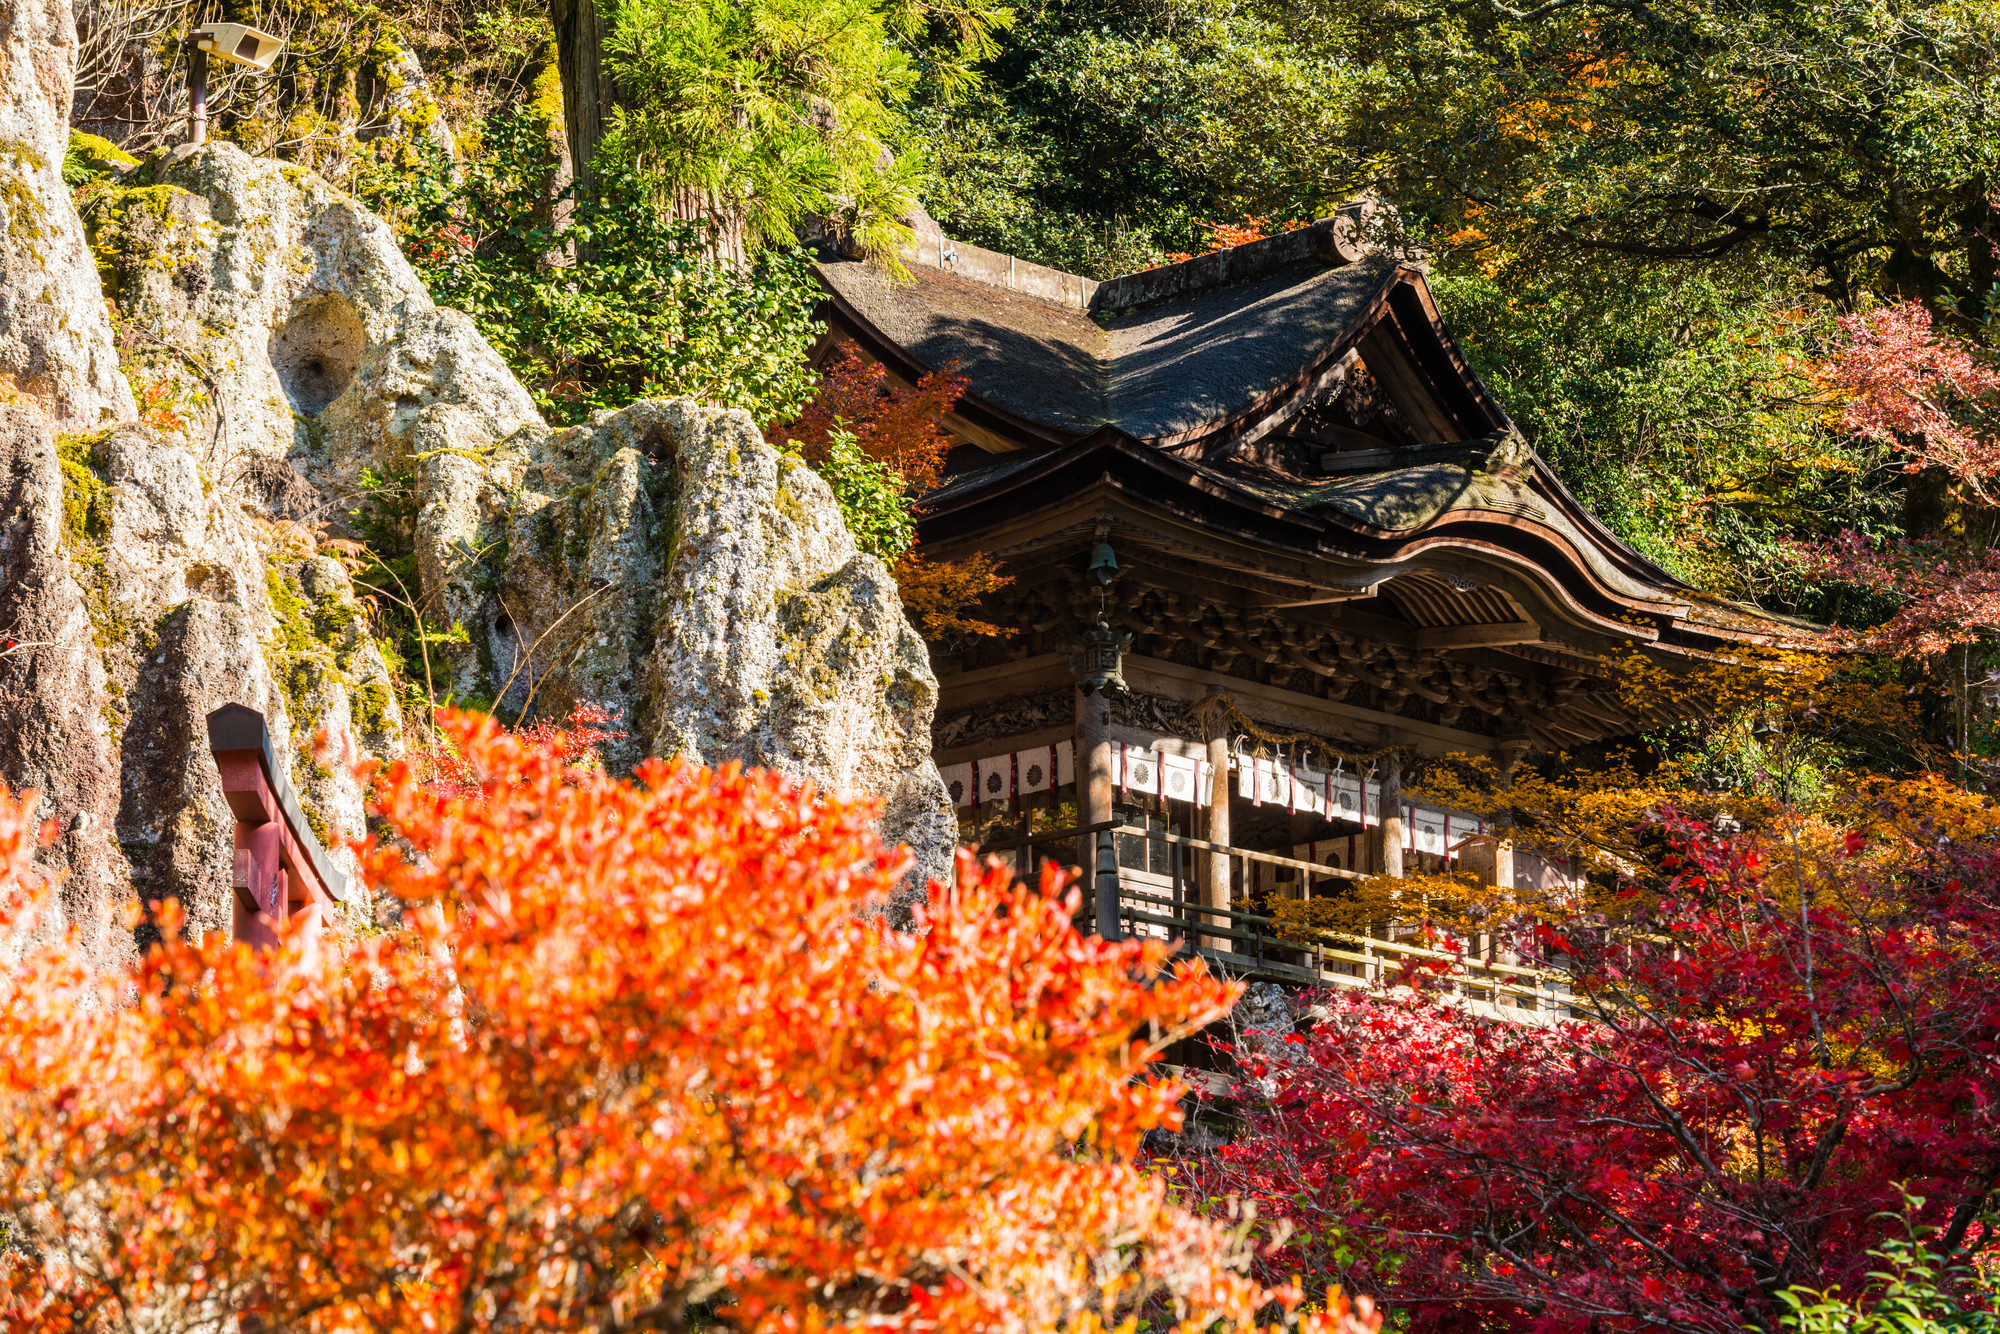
point(1108, 132)
point(870, 495)
point(643, 310)
point(1848, 141)
point(1687, 413)
point(754, 114)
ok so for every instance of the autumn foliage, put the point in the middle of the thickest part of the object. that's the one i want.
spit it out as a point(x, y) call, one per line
point(1926, 394)
point(899, 427)
point(1779, 1045)
point(1229, 235)
point(639, 1054)
point(1933, 400)
point(902, 428)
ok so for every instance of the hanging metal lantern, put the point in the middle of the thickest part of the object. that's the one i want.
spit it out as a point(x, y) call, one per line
point(1104, 659)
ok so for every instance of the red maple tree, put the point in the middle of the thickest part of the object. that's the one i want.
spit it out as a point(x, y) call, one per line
point(1746, 1081)
point(1927, 394)
point(641, 1056)
point(1933, 399)
point(900, 427)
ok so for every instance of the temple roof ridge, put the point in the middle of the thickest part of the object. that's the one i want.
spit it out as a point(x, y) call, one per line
point(1330, 241)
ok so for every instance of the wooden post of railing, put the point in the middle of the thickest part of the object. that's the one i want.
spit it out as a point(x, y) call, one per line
point(1215, 865)
point(280, 871)
point(1107, 886)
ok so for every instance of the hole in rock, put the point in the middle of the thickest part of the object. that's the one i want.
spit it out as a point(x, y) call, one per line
point(316, 353)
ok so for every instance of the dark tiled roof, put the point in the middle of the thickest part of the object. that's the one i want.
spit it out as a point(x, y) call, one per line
point(1155, 371)
point(1031, 357)
point(1102, 375)
point(1181, 364)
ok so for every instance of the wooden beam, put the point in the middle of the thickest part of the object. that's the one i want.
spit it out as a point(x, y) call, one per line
point(1479, 636)
point(1288, 708)
point(1348, 595)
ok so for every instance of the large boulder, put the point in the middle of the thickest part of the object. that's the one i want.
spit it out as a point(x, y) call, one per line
point(662, 563)
point(669, 565)
point(138, 591)
point(55, 337)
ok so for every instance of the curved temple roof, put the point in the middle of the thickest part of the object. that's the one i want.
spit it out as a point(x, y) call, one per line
point(1203, 390)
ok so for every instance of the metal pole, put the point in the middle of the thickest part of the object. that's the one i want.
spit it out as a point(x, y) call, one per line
point(197, 95)
point(1107, 887)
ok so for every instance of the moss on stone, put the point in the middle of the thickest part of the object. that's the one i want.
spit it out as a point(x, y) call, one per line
point(86, 496)
point(369, 703)
point(788, 504)
point(815, 627)
point(292, 608)
point(25, 213)
point(95, 155)
point(546, 97)
point(86, 527)
point(107, 217)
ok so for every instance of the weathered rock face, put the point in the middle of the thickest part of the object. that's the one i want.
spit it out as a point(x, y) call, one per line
point(135, 591)
point(663, 563)
point(319, 340)
point(55, 734)
point(703, 587)
point(55, 339)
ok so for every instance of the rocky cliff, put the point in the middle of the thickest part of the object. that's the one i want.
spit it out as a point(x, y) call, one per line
point(305, 412)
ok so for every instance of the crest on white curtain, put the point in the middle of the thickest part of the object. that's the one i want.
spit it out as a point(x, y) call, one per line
point(1034, 769)
point(1182, 779)
point(1141, 770)
point(995, 776)
point(958, 782)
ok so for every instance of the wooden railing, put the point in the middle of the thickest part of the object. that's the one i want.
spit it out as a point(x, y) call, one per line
point(1121, 900)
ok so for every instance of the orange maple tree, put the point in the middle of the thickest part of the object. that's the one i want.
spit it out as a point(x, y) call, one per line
point(903, 428)
point(639, 1056)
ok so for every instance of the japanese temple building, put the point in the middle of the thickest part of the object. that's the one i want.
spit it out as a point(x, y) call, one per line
point(1318, 548)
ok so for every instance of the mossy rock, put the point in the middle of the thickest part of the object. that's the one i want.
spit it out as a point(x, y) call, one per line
point(86, 527)
point(86, 497)
point(90, 156)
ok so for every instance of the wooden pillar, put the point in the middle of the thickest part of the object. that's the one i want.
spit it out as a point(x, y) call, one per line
point(1093, 773)
point(1390, 831)
point(1215, 865)
point(263, 890)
